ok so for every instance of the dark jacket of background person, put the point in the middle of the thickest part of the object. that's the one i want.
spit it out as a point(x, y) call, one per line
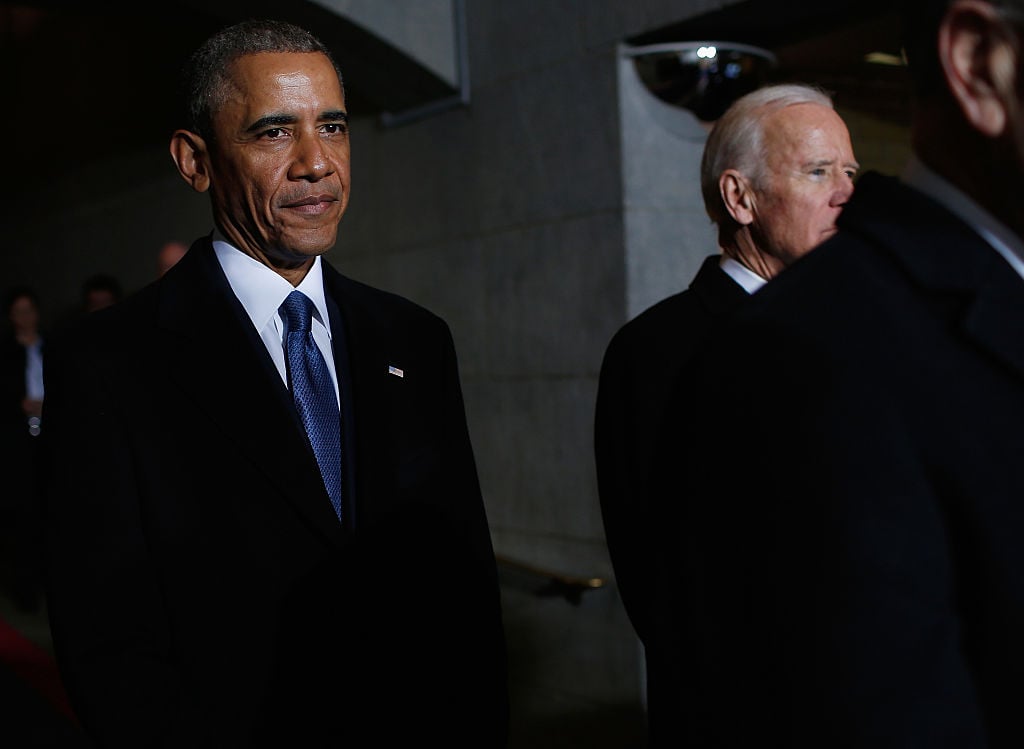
point(13, 390)
point(860, 579)
point(856, 580)
point(20, 538)
point(636, 379)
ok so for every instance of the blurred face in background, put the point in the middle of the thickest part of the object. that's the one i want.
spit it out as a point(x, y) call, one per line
point(169, 255)
point(24, 315)
point(96, 299)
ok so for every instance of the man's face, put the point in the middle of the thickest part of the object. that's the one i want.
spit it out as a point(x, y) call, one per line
point(279, 166)
point(23, 314)
point(97, 299)
point(808, 177)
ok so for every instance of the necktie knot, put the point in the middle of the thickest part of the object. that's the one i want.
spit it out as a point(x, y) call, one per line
point(298, 311)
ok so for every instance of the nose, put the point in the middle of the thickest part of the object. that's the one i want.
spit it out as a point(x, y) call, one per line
point(312, 161)
point(843, 190)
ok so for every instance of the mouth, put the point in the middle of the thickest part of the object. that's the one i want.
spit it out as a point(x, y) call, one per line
point(312, 202)
point(312, 206)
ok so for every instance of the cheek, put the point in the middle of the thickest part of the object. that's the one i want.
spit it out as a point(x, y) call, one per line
point(259, 176)
point(807, 207)
point(785, 215)
point(343, 168)
point(233, 184)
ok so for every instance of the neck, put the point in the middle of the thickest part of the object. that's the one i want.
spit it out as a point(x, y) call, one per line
point(742, 248)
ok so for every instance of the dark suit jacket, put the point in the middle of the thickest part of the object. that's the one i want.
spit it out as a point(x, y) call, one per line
point(640, 365)
point(19, 542)
point(850, 568)
point(13, 358)
point(201, 590)
point(18, 447)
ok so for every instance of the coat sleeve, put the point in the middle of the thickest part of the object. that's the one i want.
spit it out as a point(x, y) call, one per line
point(108, 623)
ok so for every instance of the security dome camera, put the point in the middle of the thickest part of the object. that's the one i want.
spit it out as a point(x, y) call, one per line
point(703, 77)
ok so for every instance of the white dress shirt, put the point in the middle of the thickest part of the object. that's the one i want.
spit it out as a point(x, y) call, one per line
point(34, 370)
point(262, 291)
point(741, 274)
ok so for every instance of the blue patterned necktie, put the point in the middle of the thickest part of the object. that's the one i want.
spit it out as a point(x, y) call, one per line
point(313, 392)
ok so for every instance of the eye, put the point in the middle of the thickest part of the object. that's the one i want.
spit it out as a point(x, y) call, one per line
point(274, 133)
point(818, 171)
point(851, 173)
point(335, 128)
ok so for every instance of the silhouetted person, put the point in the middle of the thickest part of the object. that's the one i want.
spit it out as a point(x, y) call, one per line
point(100, 291)
point(21, 402)
point(850, 565)
point(169, 254)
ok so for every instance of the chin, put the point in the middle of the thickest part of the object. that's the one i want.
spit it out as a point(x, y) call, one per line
point(312, 242)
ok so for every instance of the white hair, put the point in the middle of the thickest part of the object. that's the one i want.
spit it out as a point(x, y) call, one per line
point(735, 141)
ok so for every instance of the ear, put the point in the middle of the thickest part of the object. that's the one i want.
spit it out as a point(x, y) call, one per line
point(191, 157)
point(979, 60)
point(737, 196)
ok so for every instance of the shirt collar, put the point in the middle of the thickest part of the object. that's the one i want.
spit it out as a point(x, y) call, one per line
point(261, 290)
point(741, 274)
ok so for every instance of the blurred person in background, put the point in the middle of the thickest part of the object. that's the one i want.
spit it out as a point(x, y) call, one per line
point(169, 254)
point(21, 401)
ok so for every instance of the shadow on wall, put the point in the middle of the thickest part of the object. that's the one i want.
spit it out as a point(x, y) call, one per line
point(610, 727)
point(552, 623)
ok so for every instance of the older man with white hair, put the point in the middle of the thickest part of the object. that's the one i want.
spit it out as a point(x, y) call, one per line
point(777, 170)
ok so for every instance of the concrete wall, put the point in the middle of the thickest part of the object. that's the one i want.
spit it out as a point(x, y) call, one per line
point(422, 29)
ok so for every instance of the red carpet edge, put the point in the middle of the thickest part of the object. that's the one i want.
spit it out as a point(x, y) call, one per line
point(34, 665)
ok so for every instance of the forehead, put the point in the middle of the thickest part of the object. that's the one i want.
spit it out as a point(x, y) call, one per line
point(275, 78)
point(22, 302)
point(805, 127)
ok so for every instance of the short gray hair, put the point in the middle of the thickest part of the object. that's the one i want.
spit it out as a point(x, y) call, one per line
point(205, 79)
point(736, 140)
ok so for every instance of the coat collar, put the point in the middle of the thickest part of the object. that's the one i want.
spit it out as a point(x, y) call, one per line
point(942, 254)
point(717, 291)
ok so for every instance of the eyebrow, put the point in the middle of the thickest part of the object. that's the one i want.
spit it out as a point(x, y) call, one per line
point(829, 162)
point(280, 120)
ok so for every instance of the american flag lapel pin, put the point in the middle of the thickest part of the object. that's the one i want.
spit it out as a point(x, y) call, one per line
point(393, 370)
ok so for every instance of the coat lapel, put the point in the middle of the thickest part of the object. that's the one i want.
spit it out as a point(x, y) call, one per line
point(365, 360)
point(716, 290)
point(215, 354)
